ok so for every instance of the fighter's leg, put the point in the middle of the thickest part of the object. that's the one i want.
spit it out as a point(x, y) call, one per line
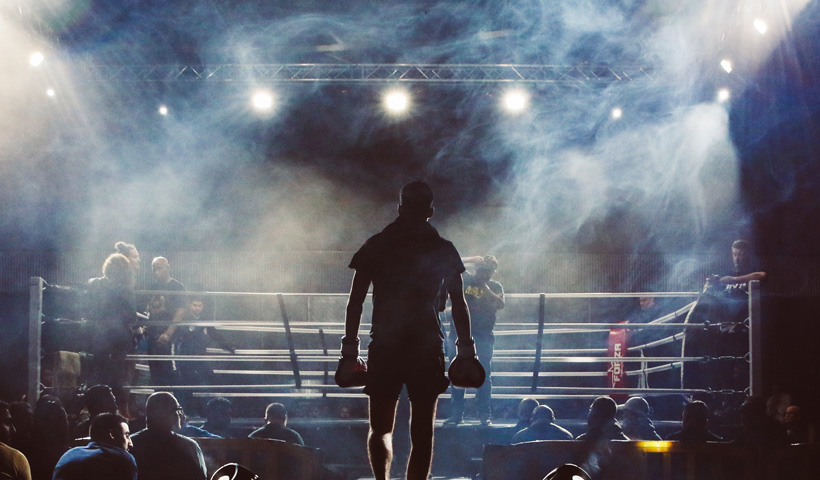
point(380, 436)
point(422, 417)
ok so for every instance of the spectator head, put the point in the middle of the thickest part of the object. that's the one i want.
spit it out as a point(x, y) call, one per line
point(695, 416)
point(6, 425)
point(196, 305)
point(485, 269)
point(635, 408)
point(793, 415)
point(601, 411)
point(525, 409)
point(131, 253)
point(543, 414)
point(161, 269)
point(276, 413)
point(741, 250)
point(50, 423)
point(416, 200)
point(218, 412)
point(162, 412)
point(100, 399)
point(118, 269)
point(111, 429)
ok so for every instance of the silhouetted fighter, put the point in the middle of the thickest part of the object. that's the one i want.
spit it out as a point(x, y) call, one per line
point(407, 263)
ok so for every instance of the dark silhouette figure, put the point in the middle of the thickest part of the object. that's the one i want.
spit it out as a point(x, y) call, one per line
point(13, 464)
point(162, 454)
point(276, 426)
point(543, 427)
point(49, 439)
point(695, 425)
point(636, 423)
point(219, 414)
point(412, 270)
point(98, 399)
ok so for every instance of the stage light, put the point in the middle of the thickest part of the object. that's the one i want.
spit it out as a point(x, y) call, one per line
point(163, 110)
point(515, 101)
point(50, 92)
point(617, 113)
point(568, 471)
point(262, 100)
point(761, 26)
point(396, 101)
point(36, 59)
point(727, 65)
point(723, 95)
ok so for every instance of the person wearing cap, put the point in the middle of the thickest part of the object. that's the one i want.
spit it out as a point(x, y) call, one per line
point(412, 270)
point(543, 427)
point(635, 420)
point(484, 298)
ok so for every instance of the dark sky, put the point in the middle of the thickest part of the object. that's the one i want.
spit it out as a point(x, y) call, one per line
point(679, 172)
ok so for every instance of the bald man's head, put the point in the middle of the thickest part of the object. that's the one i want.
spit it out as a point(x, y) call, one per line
point(162, 412)
point(161, 269)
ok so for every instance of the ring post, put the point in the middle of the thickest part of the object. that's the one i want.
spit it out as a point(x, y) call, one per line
point(755, 340)
point(35, 316)
point(536, 366)
point(293, 359)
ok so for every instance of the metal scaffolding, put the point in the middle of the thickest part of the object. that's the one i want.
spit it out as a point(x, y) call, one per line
point(366, 73)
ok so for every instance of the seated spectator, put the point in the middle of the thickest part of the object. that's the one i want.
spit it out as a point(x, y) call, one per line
point(49, 438)
point(98, 399)
point(162, 454)
point(192, 431)
point(636, 422)
point(218, 414)
point(276, 428)
point(797, 428)
point(758, 431)
point(543, 427)
point(601, 423)
point(22, 416)
point(525, 409)
point(695, 425)
point(106, 457)
point(13, 464)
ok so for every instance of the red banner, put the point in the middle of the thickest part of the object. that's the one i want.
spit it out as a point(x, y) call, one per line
point(616, 347)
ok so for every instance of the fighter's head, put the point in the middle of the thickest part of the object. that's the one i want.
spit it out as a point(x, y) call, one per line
point(416, 200)
point(485, 269)
point(161, 269)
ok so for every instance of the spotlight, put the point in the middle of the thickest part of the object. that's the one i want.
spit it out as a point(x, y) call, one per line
point(36, 59)
point(50, 92)
point(617, 113)
point(568, 471)
point(234, 471)
point(515, 101)
point(396, 101)
point(761, 26)
point(723, 95)
point(163, 110)
point(727, 65)
point(262, 100)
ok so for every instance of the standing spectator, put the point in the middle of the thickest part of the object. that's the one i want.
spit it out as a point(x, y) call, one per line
point(484, 298)
point(13, 464)
point(112, 312)
point(695, 425)
point(276, 418)
point(162, 454)
point(543, 427)
point(758, 431)
point(636, 422)
point(164, 308)
point(106, 457)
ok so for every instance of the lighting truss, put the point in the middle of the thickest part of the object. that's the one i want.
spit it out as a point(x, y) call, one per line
point(366, 73)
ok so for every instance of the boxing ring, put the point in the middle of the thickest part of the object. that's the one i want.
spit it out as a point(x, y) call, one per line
point(287, 345)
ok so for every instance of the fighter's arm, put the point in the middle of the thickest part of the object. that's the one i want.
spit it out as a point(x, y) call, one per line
point(497, 299)
point(728, 279)
point(355, 303)
point(474, 259)
point(179, 314)
point(461, 314)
